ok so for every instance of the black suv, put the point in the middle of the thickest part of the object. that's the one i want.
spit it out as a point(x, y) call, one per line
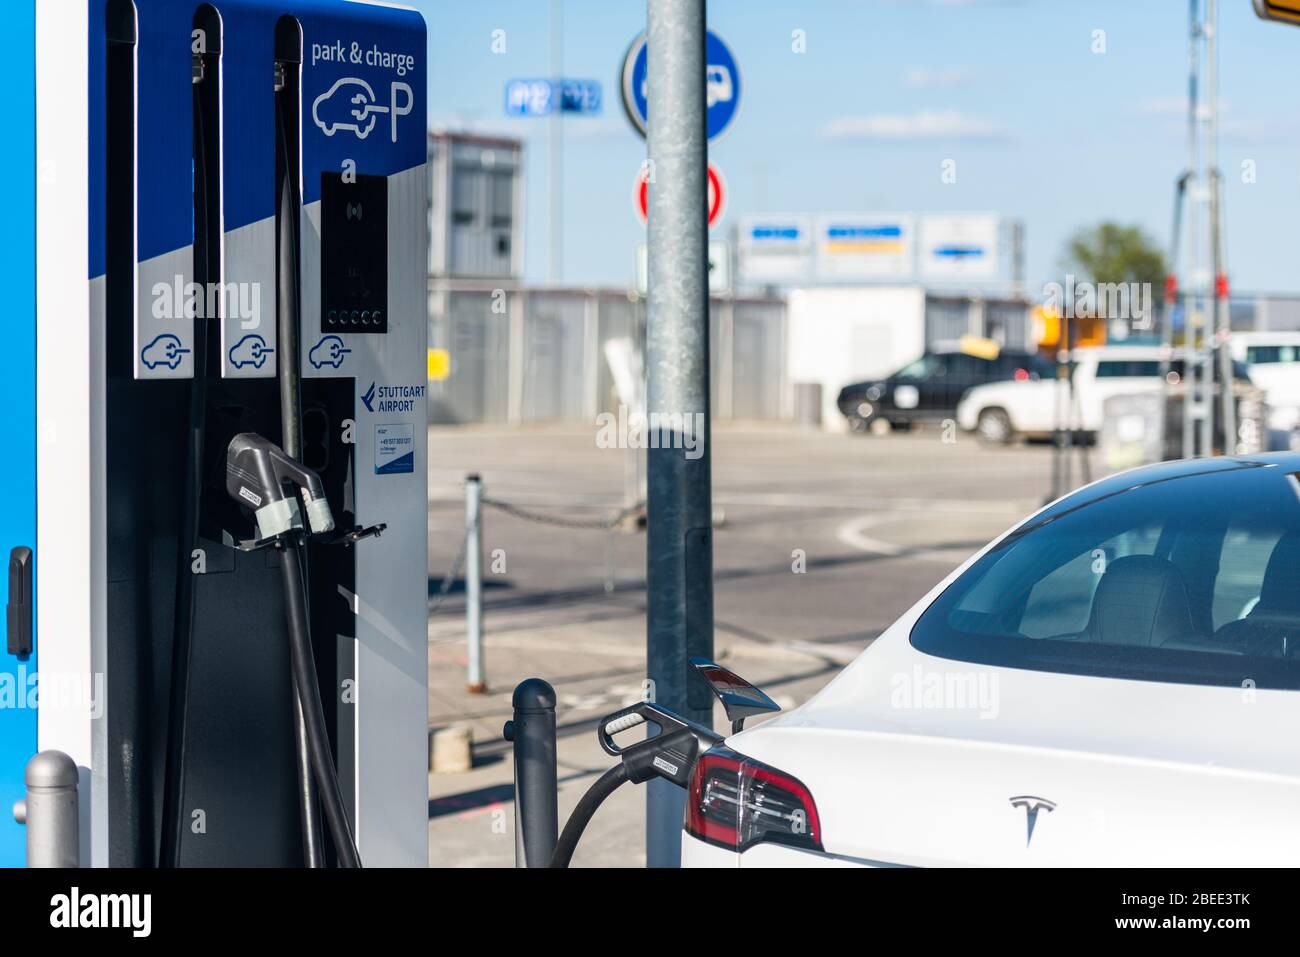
point(930, 388)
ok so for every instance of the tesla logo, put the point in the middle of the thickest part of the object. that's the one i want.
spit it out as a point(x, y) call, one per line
point(1032, 806)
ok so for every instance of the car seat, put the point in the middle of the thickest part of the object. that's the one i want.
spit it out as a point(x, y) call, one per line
point(1272, 629)
point(1140, 601)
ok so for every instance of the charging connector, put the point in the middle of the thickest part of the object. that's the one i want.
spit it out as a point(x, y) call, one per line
point(670, 755)
point(260, 475)
point(257, 472)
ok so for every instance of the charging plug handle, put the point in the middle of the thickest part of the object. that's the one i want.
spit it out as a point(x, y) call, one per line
point(670, 756)
point(643, 712)
point(256, 473)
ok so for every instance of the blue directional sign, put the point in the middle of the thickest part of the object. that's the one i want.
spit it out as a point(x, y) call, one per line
point(580, 96)
point(528, 97)
point(721, 79)
point(538, 97)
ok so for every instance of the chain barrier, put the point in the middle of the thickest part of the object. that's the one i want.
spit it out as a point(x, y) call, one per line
point(528, 515)
point(538, 518)
point(452, 573)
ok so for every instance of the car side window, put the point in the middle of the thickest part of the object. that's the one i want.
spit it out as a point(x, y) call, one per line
point(1185, 576)
point(1242, 564)
point(922, 368)
point(1127, 368)
point(967, 369)
point(1267, 355)
point(1061, 602)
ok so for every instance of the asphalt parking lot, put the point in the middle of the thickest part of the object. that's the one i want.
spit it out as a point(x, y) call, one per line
point(873, 523)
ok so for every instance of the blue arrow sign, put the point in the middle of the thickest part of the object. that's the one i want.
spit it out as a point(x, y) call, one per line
point(721, 84)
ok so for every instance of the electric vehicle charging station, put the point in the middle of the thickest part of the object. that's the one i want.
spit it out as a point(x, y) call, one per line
point(230, 265)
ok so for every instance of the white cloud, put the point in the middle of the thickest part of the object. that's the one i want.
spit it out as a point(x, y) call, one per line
point(925, 126)
point(948, 78)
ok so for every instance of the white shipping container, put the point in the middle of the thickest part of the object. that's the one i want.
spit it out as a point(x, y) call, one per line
point(842, 335)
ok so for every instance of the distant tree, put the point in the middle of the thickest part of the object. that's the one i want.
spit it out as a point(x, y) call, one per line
point(1111, 252)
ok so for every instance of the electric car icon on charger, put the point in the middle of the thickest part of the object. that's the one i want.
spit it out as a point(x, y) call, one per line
point(350, 104)
point(164, 350)
point(330, 351)
point(251, 350)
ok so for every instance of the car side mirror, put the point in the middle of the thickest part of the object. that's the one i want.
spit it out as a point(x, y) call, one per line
point(740, 699)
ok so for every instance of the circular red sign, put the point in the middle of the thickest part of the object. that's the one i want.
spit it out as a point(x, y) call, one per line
point(717, 195)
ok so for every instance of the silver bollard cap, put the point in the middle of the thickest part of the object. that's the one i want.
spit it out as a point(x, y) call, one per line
point(51, 769)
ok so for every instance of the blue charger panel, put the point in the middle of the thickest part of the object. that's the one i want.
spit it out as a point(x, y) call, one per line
point(18, 397)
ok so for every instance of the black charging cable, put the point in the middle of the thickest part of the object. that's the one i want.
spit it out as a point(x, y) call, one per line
point(187, 531)
point(288, 275)
point(671, 755)
point(605, 785)
point(283, 489)
point(304, 673)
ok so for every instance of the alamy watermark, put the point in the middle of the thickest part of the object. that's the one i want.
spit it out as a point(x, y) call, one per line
point(52, 691)
point(1125, 301)
point(655, 430)
point(924, 690)
point(179, 299)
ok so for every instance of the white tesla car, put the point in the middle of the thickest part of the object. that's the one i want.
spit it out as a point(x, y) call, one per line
point(1116, 681)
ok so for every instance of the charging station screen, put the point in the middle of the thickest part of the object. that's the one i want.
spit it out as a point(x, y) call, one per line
point(354, 253)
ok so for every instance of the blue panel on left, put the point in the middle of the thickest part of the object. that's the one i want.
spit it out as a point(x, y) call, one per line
point(17, 394)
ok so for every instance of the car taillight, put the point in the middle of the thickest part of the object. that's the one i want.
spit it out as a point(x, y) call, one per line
point(736, 802)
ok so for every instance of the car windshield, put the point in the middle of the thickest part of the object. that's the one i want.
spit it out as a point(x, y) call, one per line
point(922, 368)
point(1189, 578)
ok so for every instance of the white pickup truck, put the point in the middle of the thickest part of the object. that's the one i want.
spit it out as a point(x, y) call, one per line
point(1002, 412)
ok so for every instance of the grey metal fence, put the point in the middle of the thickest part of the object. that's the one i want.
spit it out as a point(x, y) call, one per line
point(473, 328)
point(518, 355)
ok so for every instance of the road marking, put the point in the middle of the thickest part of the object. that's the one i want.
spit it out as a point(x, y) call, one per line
point(853, 534)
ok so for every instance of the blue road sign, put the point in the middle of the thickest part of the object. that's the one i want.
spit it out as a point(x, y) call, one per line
point(580, 96)
point(722, 84)
point(543, 97)
point(528, 97)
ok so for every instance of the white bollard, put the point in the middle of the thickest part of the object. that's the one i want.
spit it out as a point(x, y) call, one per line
point(475, 682)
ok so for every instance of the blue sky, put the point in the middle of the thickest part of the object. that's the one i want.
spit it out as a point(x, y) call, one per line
point(1041, 127)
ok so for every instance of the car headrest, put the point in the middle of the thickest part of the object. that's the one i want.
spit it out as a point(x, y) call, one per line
point(1141, 600)
point(1280, 591)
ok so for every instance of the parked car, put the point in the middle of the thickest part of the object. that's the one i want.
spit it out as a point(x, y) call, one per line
point(929, 388)
point(1273, 359)
point(1003, 412)
point(1115, 681)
